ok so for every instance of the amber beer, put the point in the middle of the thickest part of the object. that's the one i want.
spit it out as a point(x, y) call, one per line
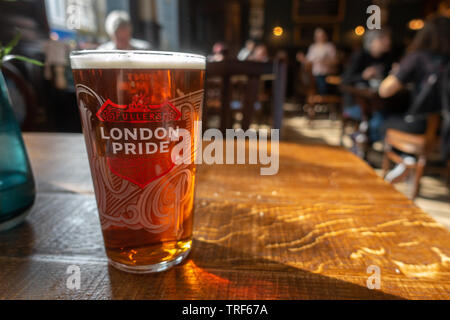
point(132, 106)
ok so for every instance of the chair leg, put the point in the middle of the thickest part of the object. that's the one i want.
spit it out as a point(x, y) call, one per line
point(309, 109)
point(448, 172)
point(332, 115)
point(343, 125)
point(418, 175)
point(385, 165)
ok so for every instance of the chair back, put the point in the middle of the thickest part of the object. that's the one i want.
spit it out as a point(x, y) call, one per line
point(253, 72)
point(431, 133)
point(417, 144)
point(310, 81)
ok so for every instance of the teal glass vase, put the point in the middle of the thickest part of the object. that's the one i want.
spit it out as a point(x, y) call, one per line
point(17, 188)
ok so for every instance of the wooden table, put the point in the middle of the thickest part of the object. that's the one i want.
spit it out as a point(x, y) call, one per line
point(309, 232)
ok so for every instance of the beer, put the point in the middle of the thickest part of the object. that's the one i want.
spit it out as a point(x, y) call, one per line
point(133, 105)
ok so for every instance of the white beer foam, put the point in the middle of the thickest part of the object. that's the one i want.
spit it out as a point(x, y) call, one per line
point(138, 59)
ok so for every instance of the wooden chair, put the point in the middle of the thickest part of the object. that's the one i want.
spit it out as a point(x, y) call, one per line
point(419, 145)
point(313, 98)
point(219, 76)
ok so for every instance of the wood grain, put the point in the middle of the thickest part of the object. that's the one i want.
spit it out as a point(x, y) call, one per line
point(308, 232)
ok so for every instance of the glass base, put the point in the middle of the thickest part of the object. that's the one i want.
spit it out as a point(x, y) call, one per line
point(9, 224)
point(152, 268)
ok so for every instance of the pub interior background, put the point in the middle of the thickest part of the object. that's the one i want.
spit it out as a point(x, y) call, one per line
point(248, 30)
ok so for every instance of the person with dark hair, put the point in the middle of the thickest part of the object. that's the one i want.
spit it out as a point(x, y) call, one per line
point(430, 46)
point(426, 67)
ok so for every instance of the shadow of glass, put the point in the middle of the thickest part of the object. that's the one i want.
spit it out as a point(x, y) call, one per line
point(220, 272)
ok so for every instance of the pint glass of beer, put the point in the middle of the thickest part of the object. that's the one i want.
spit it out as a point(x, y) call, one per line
point(133, 105)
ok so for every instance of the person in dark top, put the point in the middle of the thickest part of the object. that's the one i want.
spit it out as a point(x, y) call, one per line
point(425, 67)
point(367, 68)
point(374, 61)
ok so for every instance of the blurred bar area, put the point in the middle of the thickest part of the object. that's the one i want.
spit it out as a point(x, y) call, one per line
point(320, 84)
point(351, 98)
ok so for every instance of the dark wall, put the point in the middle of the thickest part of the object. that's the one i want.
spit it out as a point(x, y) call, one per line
point(279, 13)
point(202, 22)
point(400, 12)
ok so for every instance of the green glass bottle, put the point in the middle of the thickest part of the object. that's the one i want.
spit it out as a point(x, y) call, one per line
point(17, 188)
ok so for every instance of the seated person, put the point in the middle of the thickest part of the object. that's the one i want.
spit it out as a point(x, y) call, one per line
point(368, 67)
point(373, 62)
point(424, 66)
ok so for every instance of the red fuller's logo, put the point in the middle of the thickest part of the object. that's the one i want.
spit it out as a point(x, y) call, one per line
point(138, 111)
point(133, 153)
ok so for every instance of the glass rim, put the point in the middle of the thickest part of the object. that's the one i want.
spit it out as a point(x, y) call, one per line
point(138, 52)
point(82, 59)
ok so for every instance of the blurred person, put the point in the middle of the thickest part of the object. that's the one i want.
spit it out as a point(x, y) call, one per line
point(425, 66)
point(246, 51)
point(373, 62)
point(322, 58)
point(119, 29)
point(259, 54)
point(367, 68)
point(219, 52)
